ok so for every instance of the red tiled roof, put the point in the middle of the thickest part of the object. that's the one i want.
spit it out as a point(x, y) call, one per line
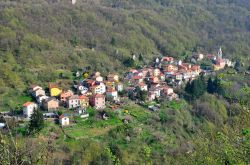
point(111, 90)
point(136, 77)
point(27, 104)
point(82, 97)
point(62, 116)
point(167, 58)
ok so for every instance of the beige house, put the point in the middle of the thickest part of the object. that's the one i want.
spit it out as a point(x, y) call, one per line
point(51, 104)
point(84, 101)
point(38, 92)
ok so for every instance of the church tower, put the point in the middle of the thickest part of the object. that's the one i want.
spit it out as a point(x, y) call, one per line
point(219, 54)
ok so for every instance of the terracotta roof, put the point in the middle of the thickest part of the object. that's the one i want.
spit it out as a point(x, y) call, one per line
point(167, 58)
point(27, 104)
point(136, 77)
point(62, 116)
point(82, 97)
point(90, 81)
point(98, 96)
point(195, 67)
point(111, 90)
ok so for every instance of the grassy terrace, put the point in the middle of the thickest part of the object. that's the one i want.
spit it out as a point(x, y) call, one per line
point(94, 127)
point(90, 128)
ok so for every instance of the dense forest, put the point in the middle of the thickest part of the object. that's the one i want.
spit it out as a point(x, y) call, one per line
point(48, 40)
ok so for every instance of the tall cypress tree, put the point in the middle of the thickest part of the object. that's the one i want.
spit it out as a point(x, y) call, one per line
point(218, 86)
point(210, 86)
point(36, 122)
point(196, 88)
point(188, 87)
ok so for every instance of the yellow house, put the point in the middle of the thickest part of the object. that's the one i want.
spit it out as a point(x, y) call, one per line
point(217, 67)
point(54, 90)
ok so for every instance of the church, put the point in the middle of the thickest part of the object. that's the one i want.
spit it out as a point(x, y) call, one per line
point(221, 62)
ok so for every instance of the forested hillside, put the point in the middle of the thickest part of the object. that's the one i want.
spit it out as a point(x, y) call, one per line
point(45, 41)
point(38, 37)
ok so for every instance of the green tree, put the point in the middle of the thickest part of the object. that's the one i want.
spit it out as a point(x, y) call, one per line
point(141, 57)
point(113, 41)
point(36, 122)
point(210, 85)
point(196, 88)
point(217, 85)
point(74, 41)
point(129, 62)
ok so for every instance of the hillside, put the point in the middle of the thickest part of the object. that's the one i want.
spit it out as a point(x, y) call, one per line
point(49, 40)
point(38, 37)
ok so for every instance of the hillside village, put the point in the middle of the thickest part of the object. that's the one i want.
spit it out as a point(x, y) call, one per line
point(145, 85)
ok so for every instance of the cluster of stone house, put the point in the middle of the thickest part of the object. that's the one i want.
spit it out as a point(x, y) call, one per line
point(94, 91)
point(159, 79)
point(49, 103)
point(151, 80)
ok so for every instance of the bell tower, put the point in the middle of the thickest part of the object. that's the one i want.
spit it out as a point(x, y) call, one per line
point(219, 54)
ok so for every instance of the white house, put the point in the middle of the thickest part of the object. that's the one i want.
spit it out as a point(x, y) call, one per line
point(156, 91)
point(40, 98)
point(28, 109)
point(38, 92)
point(99, 79)
point(99, 89)
point(73, 101)
point(64, 120)
point(119, 87)
point(33, 88)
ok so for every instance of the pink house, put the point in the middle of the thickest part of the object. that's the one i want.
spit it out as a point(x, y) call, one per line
point(97, 101)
